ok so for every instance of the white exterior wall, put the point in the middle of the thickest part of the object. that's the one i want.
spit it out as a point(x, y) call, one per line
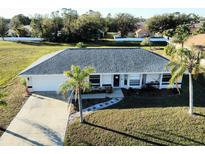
point(46, 82)
point(122, 81)
point(53, 82)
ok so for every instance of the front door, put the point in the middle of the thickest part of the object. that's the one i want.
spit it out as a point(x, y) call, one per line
point(116, 80)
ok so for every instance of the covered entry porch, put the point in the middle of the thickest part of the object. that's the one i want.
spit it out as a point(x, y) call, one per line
point(131, 80)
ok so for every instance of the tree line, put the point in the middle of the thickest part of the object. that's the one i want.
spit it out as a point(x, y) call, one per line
point(67, 25)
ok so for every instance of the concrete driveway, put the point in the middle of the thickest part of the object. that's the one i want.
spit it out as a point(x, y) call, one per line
point(41, 121)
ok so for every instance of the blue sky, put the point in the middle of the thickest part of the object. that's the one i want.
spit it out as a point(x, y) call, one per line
point(148, 12)
point(144, 12)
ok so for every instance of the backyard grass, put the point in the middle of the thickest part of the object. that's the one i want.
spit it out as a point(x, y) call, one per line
point(158, 50)
point(14, 57)
point(145, 121)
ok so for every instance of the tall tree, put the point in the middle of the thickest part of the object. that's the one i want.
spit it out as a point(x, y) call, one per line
point(36, 26)
point(88, 26)
point(47, 28)
point(77, 83)
point(57, 24)
point(110, 23)
point(191, 62)
point(160, 23)
point(125, 23)
point(169, 33)
point(17, 24)
point(3, 27)
point(69, 17)
point(182, 33)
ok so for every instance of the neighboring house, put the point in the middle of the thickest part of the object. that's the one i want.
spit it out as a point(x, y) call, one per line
point(116, 67)
point(142, 31)
point(196, 40)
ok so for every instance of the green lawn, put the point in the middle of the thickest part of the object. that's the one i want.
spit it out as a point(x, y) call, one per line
point(14, 57)
point(145, 121)
point(134, 121)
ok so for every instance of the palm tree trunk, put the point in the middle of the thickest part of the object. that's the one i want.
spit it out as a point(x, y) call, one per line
point(80, 107)
point(190, 94)
point(177, 86)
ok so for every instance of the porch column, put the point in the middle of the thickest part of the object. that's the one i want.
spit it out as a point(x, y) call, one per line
point(101, 77)
point(141, 76)
point(160, 83)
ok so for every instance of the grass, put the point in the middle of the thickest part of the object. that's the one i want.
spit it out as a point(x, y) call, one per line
point(134, 121)
point(14, 57)
point(145, 121)
point(158, 50)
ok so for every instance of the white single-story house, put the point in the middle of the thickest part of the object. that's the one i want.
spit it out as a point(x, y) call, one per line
point(116, 67)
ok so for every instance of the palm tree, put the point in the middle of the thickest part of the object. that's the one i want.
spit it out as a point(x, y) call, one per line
point(77, 82)
point(182, 33)
point(191, 62)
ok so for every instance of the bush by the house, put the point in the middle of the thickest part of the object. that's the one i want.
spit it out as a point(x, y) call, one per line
point(80, 45)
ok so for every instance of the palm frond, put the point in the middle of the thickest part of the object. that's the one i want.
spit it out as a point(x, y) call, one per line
point(177, 74)
point(68, 74)
point(64, 88)
point(86, 72)
point(86, 86)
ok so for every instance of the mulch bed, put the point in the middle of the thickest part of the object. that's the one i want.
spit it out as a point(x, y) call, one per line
point(87, 103)
point(149, 92)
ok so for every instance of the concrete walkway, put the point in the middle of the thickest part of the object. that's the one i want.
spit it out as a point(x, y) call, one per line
point(93, 108)
point(41, 121)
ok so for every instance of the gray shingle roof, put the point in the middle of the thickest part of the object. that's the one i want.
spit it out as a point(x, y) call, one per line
point(105, 60)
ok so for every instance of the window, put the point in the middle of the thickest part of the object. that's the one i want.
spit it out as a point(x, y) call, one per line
point(166, 77)
point(95, 80)
point(125, 79)
point(134, 82)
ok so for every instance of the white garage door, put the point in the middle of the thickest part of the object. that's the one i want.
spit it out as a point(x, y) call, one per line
point(47, 83)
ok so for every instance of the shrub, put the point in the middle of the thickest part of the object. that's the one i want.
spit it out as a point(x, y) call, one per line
point(23, 81)
point(80, 45)
point(170, 50)
point(2, 101)
point(146, 42)
point(108, 89)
